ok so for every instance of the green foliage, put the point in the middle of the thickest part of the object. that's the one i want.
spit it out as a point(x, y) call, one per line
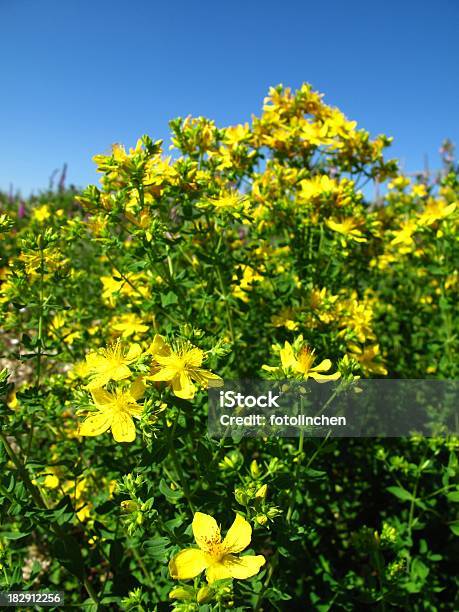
point(248, 240)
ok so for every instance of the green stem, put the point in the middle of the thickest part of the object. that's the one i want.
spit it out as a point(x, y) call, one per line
point(31, 488)
point(227, 308)
point(41, 503)
point(295, 477)
point(181, 478)
point(259, 599)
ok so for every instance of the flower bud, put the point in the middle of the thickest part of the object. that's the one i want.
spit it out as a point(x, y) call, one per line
point(182, 593)
point(204, 595)
point(254, 469)
point(273, 512)
point(241, 497)
point(262, 492)
point(129, 505)
point(261, 519)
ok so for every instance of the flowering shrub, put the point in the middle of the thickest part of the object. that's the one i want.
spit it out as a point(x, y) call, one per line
point(241, 252)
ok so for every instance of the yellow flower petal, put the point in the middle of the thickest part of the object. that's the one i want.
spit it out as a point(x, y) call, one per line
point(188, 563)
point(323, 366)
point(287, 357)
point(95, 424)
point(101, 397)
point(164, 375)
point(120, 372)
point(158, 346)
point(217, 571)
point(94, 360)
point(135, 351)
point(123, 428)
point(320, 378)
point(98, 381)
point(206, 378)
point(243, 567)
point(183, 387)
point(205, 530)
point(238, 536)
point(137, 388)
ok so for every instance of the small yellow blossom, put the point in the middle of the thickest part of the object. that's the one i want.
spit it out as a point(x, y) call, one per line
point(129, 325)
point(12, 400)
point(236, 134)
point(231, 201)
point(115, 411)
point(285, 318)
point(110, 363)
point(318, 186)
point(404, 235)
point(218, 558)
point(180, 367)
point(245, 284)
point(400, 182)
point(347, 227)
point(41, 213)
point(302, 363)
point(366, 357)
point(419, 190)
point(435, 211)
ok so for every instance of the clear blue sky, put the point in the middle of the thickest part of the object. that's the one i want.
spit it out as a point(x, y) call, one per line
point(78, 75)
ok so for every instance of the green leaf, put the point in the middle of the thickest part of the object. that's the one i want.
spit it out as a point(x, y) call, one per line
point(13, 535)
point(455, 528)
point(157, 548)
point(171, 495)
point(169, 298)
point(401, 493)
point(68, 553)
point(453, 496)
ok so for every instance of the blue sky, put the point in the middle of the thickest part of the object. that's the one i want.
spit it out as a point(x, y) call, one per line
point(78, 75)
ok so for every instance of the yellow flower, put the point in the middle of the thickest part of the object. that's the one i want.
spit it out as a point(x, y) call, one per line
point(245, 284)
point(51, 481)
point(347, 227)
point(366, 357)
point(357, 318)
point(419, 190)
point(302, 363)
point(405, 234)
point(320, 185)
point(400, 182)
point(230, 200)
point(285, 318)
point(33, 260)
point(218, 558)
point(236, 134)
point(115, 412)
point(180, 367)
point(110, 364)
point(436, 210)
point(129, 325)
point(12, 400)
point(41, 213)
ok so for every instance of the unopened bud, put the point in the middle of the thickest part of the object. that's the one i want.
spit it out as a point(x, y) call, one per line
point(261, 519)
point(241, 497)
point(273, 512)
point(129, 505)
point(182, 593)
point(204, 595)
point(262, 492)
point(254, 469)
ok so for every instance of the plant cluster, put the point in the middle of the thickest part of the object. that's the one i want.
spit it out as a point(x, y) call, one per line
point(251, 251)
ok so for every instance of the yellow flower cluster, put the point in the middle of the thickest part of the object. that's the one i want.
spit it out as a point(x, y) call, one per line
point(179, 367)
